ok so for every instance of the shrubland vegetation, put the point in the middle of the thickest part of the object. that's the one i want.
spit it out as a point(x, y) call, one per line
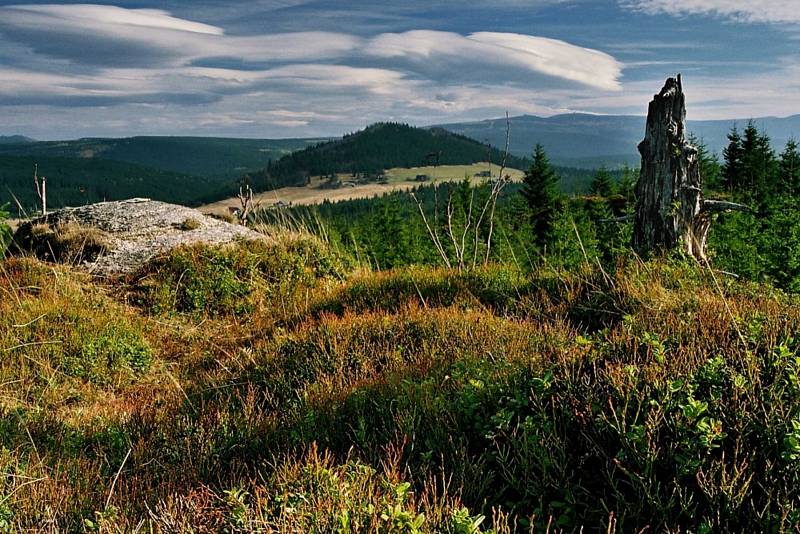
point(281, 387)
point(336, 379)
point(5, 230)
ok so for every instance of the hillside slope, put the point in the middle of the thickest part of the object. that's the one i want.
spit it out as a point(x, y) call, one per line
point(15, 139)
point(378, 147)
point(219, 158)
point(75, 182)
point(268, 388)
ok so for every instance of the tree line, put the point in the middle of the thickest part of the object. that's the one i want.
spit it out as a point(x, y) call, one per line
point(536, 221)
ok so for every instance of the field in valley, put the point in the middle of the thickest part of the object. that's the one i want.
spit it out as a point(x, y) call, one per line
point(399, 179)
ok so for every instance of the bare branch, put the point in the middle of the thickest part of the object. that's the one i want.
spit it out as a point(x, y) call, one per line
point(713, 206)
point(434, 236)
point(41, 188)
point(451, 232)
point(620, 219)
point(497, 188)
point(467, 225)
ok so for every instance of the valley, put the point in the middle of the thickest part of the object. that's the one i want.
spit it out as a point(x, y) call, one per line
point(321, 189)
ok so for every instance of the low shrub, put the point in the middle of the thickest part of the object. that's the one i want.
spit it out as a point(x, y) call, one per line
point(316, 493)
point(656, 396)
point(496, 287)
point(234, 281)
point(64, 326)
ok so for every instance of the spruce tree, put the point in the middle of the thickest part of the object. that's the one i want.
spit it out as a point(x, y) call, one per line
point(759, 166)
point(627, 185)
point(602, 184)
point(732, 170)
point(710, 169)
point(540, 191)
point(789, 173)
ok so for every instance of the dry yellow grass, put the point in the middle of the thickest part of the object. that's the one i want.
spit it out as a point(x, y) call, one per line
point(399, 179)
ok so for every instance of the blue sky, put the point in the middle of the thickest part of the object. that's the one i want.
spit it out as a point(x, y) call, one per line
point(298, 68)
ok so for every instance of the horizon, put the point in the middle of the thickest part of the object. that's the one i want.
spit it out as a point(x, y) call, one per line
point(734, 121)
point(283, 69)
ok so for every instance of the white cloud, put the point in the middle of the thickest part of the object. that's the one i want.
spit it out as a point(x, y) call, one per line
point(198, 84)
point(109, 35)
point(778, 11)
point(775, 92)
point(88, 67)
point(526, 53)
point(114, 36)
point(102, 18)
point(556, 58)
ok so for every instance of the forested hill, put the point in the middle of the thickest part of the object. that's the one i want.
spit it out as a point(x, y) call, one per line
point(76, 181)
point(223, 159)
point(376, 148)
point(15, 140)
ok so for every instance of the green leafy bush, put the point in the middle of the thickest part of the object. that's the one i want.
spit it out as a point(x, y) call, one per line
point(223, 281)
point(117, 346)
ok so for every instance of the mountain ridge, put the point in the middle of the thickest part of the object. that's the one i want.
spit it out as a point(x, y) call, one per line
point(572, 138)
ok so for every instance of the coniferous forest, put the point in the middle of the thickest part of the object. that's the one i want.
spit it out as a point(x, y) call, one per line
point(538, 222)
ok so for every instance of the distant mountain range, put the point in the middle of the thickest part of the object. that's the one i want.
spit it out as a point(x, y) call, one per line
point(584, 140)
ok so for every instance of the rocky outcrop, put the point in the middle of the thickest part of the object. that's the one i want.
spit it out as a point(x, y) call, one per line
point(111, 238)
point(670, 210)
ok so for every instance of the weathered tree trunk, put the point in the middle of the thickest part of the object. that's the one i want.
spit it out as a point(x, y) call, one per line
point(670, 210)
point(669, 204)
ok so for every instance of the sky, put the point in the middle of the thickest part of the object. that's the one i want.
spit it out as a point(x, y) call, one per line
point(308, 68)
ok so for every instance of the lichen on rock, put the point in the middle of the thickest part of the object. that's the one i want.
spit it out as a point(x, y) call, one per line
point(112, 238)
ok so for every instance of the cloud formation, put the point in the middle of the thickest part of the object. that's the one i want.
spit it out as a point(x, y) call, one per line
point(274, 68)
point(448, 52)
point(109, 56)
point(773, 11)
point(112, 36)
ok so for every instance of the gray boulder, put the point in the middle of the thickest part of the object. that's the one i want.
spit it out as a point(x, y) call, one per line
point(114, 238)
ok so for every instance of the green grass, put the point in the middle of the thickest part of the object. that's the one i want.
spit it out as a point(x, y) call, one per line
point(276, 387)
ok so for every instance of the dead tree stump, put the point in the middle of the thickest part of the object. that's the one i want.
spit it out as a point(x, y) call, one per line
point(668, 194)
point(670, 210)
